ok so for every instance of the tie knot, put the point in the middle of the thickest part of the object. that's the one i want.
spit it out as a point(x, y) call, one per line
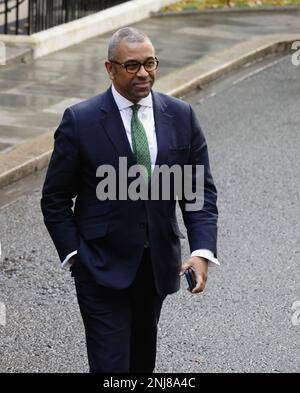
point(135, 108)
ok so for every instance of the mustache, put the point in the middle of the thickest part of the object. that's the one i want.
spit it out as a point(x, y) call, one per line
point(142, 79)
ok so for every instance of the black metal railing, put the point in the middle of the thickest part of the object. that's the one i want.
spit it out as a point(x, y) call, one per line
point(32, 16)
point(9, 10)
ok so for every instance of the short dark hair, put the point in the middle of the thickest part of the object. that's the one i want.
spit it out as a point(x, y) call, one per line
point(128, 34)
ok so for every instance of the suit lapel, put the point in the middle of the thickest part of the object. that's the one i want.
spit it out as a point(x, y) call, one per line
point(114, 128)
point(113, 125)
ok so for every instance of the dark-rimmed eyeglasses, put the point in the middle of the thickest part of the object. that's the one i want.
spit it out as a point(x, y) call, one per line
point(132, 67)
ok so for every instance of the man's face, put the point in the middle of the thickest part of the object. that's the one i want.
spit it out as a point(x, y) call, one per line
point(132, 86)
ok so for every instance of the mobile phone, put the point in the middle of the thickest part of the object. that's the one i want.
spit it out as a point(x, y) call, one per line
point(189, 275)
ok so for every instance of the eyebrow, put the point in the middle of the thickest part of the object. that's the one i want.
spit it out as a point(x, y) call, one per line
point(137, 61)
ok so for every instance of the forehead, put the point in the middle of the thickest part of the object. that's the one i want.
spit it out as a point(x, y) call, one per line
point(135, 50)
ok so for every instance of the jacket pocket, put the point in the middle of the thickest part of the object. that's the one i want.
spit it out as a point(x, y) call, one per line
point(93, 231)
point(178, 155)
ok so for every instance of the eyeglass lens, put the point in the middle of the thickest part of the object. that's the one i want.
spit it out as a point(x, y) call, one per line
point(149, 65)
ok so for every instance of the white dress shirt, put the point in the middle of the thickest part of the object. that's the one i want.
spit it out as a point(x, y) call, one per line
point(146, 116)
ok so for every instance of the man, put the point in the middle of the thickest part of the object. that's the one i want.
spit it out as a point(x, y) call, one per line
point(125, 253)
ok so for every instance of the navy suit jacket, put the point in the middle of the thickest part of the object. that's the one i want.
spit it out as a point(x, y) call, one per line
point(110, 235)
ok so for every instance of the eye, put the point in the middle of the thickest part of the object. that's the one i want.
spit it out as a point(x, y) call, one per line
point(150, 63)
point(132, 66)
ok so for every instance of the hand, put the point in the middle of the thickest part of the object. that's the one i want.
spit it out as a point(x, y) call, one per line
point(199, 266)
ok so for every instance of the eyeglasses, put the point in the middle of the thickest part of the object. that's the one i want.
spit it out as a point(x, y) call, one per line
point(132, 67)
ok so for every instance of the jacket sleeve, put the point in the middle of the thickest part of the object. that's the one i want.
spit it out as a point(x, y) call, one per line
point(201, 222)
point(60, 187)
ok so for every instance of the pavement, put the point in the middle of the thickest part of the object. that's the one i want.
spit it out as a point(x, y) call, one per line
point(33, 96)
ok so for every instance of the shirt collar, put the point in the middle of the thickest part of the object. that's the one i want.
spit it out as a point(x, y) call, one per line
point(123, 103)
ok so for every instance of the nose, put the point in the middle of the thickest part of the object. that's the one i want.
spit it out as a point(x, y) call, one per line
point(142, 72)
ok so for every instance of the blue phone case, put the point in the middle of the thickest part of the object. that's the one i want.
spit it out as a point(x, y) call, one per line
point(187, 274)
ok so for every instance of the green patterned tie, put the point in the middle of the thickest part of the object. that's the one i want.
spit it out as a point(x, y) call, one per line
point(140, 145)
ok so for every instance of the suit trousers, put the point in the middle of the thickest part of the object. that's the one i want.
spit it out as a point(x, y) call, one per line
point(120, 325)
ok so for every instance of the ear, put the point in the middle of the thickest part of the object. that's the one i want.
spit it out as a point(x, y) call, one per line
point(110, 70)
